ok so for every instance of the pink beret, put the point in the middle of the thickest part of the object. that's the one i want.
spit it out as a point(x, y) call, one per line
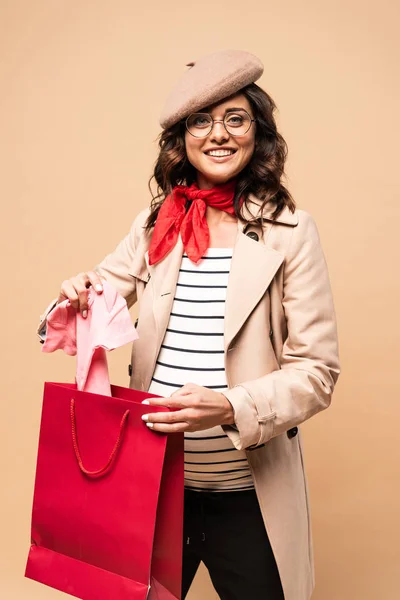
point(208, 80)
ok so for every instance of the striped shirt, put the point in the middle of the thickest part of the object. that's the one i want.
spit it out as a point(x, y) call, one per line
point(193, 352)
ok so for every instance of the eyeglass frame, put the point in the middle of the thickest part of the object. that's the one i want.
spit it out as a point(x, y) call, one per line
point(213, 121)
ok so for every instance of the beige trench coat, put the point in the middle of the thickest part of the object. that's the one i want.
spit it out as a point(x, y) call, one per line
point(281, 360)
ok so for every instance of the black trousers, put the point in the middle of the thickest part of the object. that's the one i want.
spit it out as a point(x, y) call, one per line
point(226, 531)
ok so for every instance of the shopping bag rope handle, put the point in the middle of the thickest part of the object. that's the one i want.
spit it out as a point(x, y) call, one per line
point(113, 454)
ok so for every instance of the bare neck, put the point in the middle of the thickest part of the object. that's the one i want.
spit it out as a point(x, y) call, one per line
point(222, 227)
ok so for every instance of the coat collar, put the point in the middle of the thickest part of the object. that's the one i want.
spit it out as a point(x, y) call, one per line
point(251, 210)
point(253, 267)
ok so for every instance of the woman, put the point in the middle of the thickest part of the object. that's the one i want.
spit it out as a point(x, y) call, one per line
point(236, 328)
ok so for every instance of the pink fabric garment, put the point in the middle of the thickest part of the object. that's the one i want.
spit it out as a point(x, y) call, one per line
point(107, 326)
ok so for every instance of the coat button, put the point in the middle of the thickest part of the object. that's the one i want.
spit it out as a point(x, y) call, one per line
point(253, 236)
point(292, 432)
point(130, 370)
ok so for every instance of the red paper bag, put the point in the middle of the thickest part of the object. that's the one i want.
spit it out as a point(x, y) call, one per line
point(108, 502)
point(107, 518)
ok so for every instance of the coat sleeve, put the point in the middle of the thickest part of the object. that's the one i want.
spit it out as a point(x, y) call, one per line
point(303, 386)
point(116, 267)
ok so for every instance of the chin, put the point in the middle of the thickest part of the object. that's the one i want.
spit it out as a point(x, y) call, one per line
point(218, 178)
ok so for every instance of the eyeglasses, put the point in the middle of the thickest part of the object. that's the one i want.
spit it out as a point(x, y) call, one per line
point(237, 122)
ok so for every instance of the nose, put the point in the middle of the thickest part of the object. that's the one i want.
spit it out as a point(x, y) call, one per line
point(219, 133)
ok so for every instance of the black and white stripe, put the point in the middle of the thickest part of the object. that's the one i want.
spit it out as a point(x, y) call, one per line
point(193, 352)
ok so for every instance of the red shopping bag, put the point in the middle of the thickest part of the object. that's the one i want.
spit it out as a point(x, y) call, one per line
point(108, 502)
point(107, 518)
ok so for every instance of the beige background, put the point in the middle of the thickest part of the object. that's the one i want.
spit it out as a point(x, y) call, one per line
point(82, 84)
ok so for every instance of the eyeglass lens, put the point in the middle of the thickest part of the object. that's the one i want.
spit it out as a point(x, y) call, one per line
point(236, 123)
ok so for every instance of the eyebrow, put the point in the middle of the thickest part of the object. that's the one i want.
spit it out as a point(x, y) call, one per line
point(234, 109)
point(231, 109)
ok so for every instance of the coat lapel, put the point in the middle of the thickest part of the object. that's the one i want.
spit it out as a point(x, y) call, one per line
point(252, 270)
point(164, 276)
point(253, 267)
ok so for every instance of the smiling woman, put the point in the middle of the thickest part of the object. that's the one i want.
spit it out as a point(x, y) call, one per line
point(234, 138)
point(237, 328)
point(220, 144)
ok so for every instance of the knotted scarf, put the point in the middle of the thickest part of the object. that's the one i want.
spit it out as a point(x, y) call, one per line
point(172, 219)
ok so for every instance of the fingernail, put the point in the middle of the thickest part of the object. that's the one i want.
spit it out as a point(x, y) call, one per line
point(84, 314)
point(99, 288)
point(146, 402)
point(145, 417)
point(150, 425)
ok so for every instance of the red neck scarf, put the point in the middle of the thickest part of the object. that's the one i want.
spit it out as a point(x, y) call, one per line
point(172, 219)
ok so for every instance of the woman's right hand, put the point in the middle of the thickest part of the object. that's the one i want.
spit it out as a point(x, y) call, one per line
point(76, 290)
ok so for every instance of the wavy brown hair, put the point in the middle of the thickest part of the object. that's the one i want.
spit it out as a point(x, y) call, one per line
point(262, 176)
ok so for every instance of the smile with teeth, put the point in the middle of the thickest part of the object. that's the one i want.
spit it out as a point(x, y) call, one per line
point(220, 152)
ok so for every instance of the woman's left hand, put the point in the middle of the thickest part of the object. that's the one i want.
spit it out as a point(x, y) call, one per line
point(194, 408)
